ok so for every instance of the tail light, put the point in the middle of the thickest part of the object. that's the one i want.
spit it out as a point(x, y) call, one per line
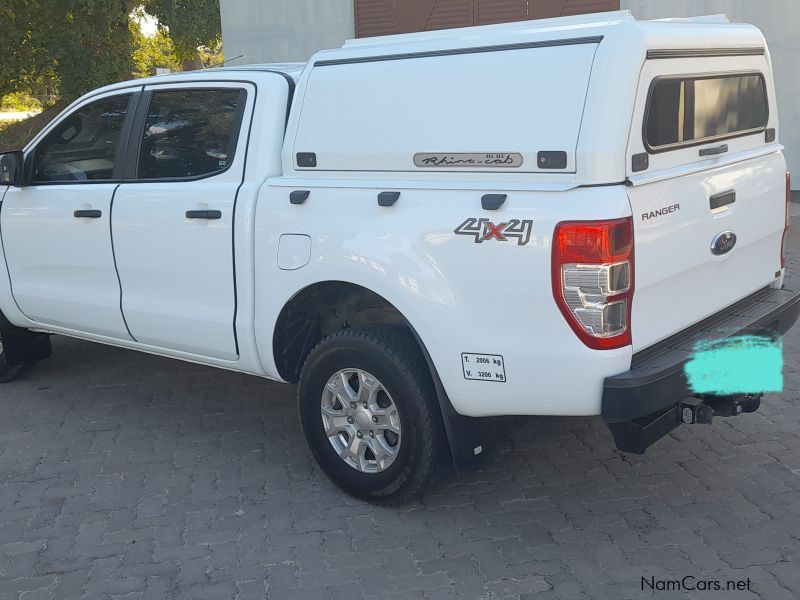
point(593, 279)
point(786, 221)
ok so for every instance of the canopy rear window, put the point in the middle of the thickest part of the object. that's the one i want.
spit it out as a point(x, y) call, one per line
point(689, 111)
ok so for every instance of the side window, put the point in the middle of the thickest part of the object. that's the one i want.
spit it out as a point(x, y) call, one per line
point(687, 111)
point(83, 147)
point(190, 133)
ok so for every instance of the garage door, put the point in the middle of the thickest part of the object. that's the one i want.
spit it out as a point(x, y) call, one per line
point(387, 17)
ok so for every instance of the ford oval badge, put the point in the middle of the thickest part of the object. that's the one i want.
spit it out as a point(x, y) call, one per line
point(723, 243)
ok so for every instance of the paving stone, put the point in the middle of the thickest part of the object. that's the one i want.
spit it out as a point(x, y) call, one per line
point(17, 548)
point(70, 585)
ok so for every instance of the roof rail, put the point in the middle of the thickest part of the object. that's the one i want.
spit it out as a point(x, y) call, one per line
point(533, 25)
point(720, 19)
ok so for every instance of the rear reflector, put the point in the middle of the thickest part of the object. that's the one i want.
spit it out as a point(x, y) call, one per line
point(592, 275)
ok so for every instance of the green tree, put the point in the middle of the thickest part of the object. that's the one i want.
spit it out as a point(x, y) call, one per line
point(84, 43)
point(24, 60)
point(20, 101)
point(191, 23)
point(152, 51)
point(79, 45)
point(90, 41)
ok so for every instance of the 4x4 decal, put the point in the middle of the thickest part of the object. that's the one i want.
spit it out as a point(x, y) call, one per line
point(484, 230)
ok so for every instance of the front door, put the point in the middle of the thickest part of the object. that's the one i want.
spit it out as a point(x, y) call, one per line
point(56, 231)
point(173, 217)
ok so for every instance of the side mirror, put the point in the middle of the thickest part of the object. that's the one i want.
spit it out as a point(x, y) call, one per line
point(12, 167)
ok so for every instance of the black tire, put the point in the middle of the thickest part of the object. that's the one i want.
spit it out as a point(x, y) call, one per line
point(392, 356)
point(8, 372)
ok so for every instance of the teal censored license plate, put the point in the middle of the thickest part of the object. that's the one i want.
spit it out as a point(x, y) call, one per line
point(744, 364)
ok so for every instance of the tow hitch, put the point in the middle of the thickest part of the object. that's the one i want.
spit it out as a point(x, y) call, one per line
point(637, 435)
point(694, 412)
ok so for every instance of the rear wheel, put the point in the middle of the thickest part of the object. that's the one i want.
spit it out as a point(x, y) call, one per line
point(370, 415)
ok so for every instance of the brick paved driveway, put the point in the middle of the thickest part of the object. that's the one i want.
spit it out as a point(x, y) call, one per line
point(129, 476)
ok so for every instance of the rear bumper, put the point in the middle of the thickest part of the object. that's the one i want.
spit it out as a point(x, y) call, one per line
point(656, 382)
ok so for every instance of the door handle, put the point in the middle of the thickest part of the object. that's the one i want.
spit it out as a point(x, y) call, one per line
point(714, 151)
point(209, 215)
point(87, 214)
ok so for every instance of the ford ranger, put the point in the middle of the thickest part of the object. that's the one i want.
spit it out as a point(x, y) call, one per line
point(422, 231)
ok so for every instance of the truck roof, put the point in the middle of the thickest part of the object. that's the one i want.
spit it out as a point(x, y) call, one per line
point(291, 70)
point(713, 31)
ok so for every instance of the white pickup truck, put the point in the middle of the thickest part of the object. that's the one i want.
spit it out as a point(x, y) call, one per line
point(538, 218)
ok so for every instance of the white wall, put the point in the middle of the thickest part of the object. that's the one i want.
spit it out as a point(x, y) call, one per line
point(779, 20)
point(283, 30)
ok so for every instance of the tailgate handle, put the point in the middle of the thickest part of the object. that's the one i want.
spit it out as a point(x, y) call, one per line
point(723, 199)
point(714, 151)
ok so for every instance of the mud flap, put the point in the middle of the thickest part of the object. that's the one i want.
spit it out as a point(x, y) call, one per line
point(472, 440)
point(21, 346)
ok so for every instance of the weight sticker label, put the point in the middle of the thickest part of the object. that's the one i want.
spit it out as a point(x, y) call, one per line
point(483, 367)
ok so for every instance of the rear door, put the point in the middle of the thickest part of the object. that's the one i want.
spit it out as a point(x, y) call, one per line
point(708, 194)
point(173, 217)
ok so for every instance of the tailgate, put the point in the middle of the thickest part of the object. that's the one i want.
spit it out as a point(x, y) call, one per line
point(683, 271)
